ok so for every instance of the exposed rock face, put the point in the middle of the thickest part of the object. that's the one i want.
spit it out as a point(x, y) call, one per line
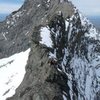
point(66, 65)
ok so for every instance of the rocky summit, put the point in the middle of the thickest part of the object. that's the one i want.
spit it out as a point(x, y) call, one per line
point(64, 58)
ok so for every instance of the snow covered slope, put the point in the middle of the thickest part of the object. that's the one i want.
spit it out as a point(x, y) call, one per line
point(12, 71)
point(76, 47)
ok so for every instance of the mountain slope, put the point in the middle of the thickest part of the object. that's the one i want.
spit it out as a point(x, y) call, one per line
point(64, 61)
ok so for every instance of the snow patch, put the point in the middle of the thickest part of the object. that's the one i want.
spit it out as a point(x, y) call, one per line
point(64, 97)
point(61, 1)
point(48, 0)
point(38, 5)
point(51, 55)
point(46, 37)
point(4, 35)
point(66, 24)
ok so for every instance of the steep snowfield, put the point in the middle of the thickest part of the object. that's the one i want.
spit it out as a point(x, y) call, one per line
point(12, 71)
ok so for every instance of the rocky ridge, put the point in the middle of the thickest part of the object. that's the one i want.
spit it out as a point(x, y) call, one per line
point(65, 66)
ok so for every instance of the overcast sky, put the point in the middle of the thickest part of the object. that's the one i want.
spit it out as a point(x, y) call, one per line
point(87, 7)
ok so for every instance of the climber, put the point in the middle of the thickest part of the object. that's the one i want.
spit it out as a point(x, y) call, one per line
point(52, 61)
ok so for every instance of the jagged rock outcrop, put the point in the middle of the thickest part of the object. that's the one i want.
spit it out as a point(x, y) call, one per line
point(64, 62)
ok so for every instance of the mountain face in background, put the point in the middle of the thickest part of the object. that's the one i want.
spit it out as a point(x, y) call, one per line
point(64, 60)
